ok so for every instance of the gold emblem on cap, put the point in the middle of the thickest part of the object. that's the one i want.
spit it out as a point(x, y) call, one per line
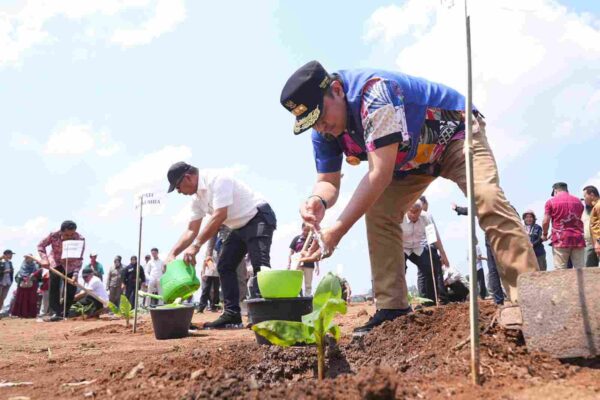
point(290, 104)
point(299, 110)
point(325, 82)
point(307, 121)
point(353, 160)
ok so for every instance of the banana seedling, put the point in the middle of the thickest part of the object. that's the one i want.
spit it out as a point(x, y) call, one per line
point(327, 303)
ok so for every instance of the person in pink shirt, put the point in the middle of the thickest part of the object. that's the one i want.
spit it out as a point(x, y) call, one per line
point(564, 210)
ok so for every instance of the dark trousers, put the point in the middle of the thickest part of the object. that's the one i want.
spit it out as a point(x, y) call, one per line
point(130, 294)
point(494, 277)
point(253, 239)
point(56, 289)
point(481, 283)
point(424, 280)
point(210, 291)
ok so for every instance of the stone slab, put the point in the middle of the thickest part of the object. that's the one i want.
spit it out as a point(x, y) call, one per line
point(561, 312)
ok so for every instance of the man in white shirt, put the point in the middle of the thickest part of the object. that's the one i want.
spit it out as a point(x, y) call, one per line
point(155, 268)
point(417, 250)
point(92, 284)
point(230, 203)
point(480, 273)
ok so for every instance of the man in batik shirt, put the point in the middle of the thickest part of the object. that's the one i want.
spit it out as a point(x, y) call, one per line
point(68, 231)
point(410, 131)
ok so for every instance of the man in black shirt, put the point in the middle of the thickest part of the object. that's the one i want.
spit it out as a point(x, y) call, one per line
point(128, 275)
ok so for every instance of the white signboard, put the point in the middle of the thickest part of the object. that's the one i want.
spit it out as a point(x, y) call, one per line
point(153, 202)
point(72, 249)
point(431, 234)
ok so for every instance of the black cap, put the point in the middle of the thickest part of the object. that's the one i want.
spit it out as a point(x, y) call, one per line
point(87, 271)
point(8, 252)
point(176, 173)
point(303, 94)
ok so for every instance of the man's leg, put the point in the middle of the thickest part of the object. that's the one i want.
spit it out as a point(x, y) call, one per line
point(258, 235)
point(206, 286)
point(384, 235)
point(542, 262)
point(591, 258)
point(497, 218)
point(561, 257)
point(494, 277)
point(215, 292)
point(426, 284)
point(232, 252)
point(481, 283)
point(3, 294)
point(308, 277)
point(71, 289)
point(54, 290)
point(578, 257)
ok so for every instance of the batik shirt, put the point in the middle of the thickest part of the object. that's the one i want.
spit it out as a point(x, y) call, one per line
point(384, 122)
point(54, 240)
point(567, 228)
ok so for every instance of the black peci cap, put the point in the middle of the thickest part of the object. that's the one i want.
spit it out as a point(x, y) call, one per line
point(176, 173)
point(303, 94)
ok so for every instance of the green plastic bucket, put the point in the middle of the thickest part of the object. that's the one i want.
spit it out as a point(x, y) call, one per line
point(280, 283)
point(179, 280)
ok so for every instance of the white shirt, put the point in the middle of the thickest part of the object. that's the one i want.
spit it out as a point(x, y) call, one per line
point(217, 190)
point(154, 269)
point(452, 275)
point(414, 236)
point(96, 286)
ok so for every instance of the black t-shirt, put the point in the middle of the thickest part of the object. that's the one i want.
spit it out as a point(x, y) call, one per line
point(296, 246)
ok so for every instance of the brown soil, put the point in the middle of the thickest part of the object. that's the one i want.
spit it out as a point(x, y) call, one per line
point(414, 357)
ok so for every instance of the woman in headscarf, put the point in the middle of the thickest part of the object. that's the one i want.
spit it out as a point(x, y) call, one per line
point(535, 236)
point(25, 304)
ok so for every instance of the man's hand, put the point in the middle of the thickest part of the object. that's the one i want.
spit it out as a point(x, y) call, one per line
point(597, 248)
point(207, 261)
point(312, 211)
point(330, 237)
point(189, 255)
point(544, 237)
point(44, 263)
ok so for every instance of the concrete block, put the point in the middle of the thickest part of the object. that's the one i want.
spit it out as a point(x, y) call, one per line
point(561, 311)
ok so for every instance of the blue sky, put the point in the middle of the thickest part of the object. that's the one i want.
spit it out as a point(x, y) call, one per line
point(99, 98)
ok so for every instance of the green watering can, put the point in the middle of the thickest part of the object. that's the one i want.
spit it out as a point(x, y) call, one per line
point(179, 281)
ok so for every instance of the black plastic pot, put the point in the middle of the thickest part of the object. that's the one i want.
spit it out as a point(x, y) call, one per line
point(260, 310)
point(171, 323)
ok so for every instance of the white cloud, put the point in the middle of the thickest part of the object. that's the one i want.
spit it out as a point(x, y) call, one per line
point(147, 172)
point(70, 138)
point(25, 236)
point(110, 206)
point(595, 180)
point(544, 67)
point(24, 27)
point(167, 15)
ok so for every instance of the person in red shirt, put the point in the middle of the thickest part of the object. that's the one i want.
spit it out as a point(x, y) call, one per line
point(564, 210)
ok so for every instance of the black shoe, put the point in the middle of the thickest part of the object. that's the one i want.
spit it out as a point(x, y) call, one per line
point(201, 308)
point(54, 318)
point(228, 319)
point(379, 318)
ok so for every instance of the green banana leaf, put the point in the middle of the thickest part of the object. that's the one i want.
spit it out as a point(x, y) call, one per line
point(125, 306)
point(285, 333)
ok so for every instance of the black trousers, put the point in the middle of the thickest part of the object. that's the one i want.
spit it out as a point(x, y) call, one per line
point(210, 291)
point(424, 280)
point(254, 239)
point(56, 290)
point(481, 283)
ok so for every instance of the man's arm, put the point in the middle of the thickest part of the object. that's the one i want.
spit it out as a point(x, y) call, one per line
point(545, 227)
point(42, 250)
point(326, 188)
point(185, 240)
point(212, 227)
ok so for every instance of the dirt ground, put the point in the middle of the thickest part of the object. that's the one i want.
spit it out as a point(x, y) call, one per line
point(414, 357)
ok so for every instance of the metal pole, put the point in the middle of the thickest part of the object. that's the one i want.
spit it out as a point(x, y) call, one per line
point(437, 303)
point(65, 289)
point(137, 268)
point(474, 306)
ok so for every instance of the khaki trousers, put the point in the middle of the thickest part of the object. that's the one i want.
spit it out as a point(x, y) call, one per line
point(502, 225)
point(561, 257)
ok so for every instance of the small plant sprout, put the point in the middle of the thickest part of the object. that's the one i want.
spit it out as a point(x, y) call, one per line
point(124, 310)
point(81, 309)
point(327, 303)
